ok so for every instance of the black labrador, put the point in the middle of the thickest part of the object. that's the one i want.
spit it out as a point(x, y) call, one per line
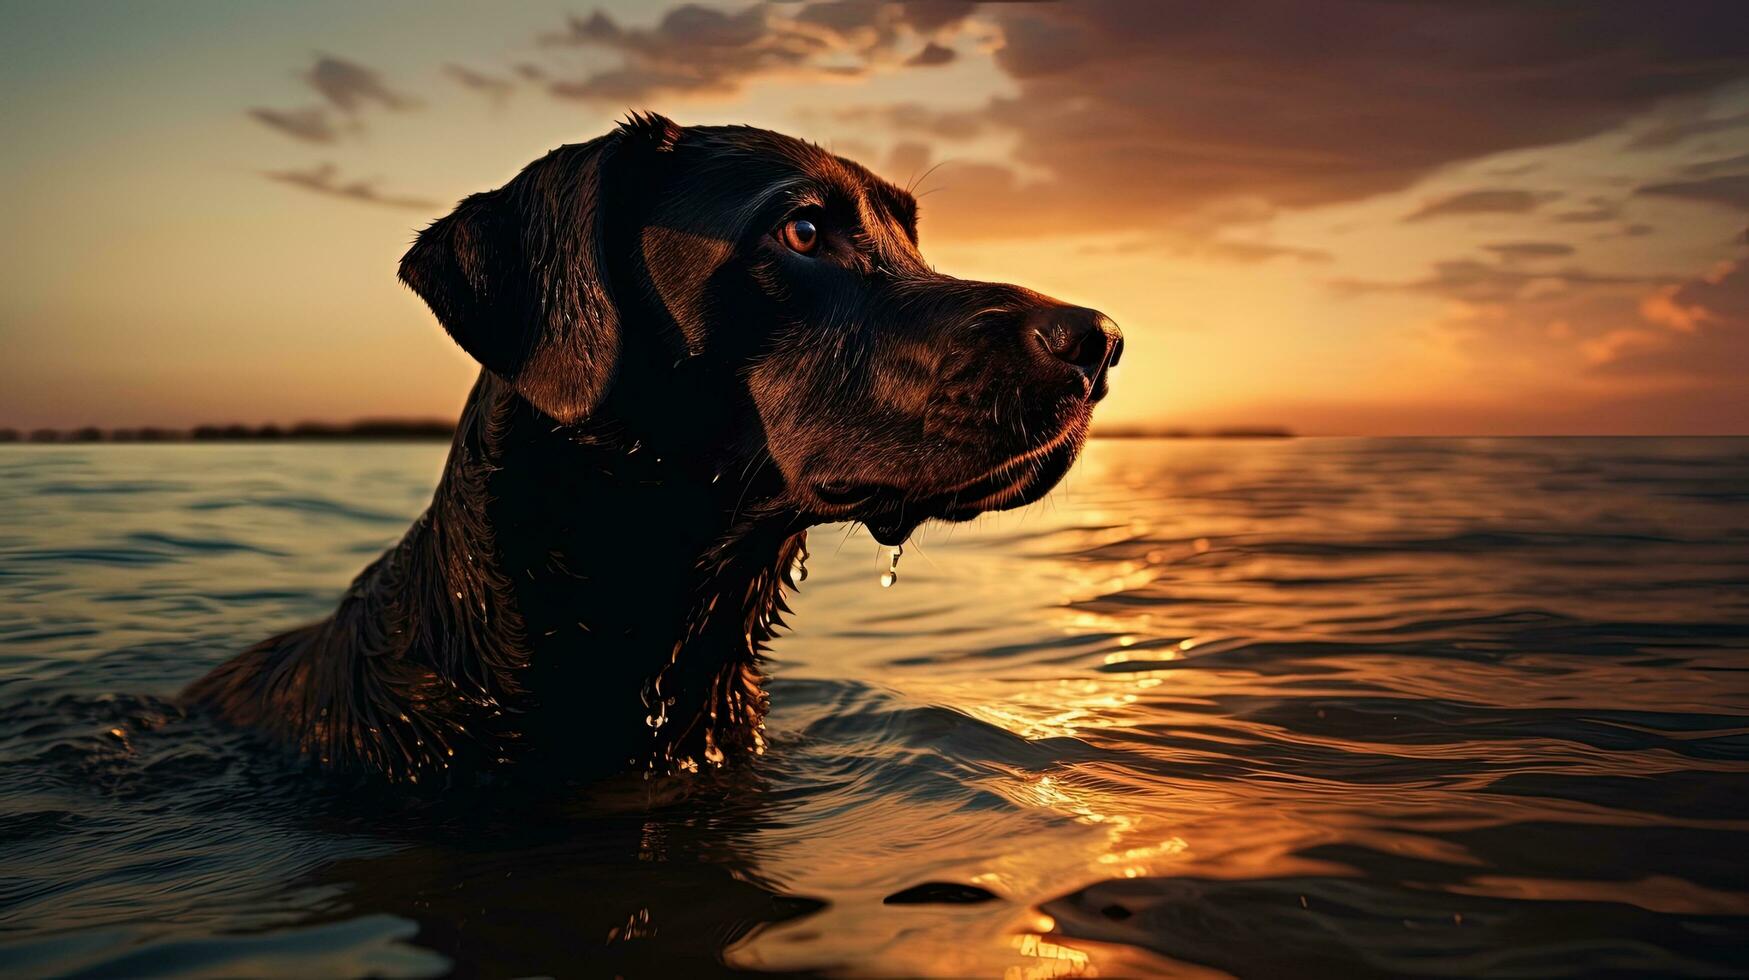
point(696, 342)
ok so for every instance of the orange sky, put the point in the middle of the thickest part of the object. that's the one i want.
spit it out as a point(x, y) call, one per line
point(1439, 218)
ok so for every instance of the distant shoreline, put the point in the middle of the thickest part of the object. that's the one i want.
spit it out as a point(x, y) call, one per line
point(421, 430)
point(429, 430)
point(1225, 432)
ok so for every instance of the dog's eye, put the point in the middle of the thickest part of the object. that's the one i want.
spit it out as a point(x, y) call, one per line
point(800, 235)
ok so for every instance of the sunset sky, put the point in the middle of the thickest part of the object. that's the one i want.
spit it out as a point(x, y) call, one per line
point(1374, 218)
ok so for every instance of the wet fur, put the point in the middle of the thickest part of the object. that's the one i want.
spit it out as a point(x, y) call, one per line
point(427, 665)
point(666, 403)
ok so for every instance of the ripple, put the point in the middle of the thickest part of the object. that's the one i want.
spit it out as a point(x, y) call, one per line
point(1346, 707)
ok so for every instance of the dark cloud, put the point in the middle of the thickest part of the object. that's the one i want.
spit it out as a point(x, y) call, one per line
point(932, 54)
point(1515, 251)
point(698, 50)
point(1137, 113)
point(691, 50)
point(1708, 168)
point(850, 18)
point(347, 87)
point(1140, 111)
point(883, 21)
point(350, 86)
point(325, 179)
point(1671, 133)
point(1731, 190)
point(1481, 202)
point(930, 16)
point(311, 125)
point(491, 86)
point(597, 28)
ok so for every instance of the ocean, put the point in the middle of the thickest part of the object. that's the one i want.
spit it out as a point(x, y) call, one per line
point(1310, 707)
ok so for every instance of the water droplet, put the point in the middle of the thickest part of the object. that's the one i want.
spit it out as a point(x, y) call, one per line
point(891, 575)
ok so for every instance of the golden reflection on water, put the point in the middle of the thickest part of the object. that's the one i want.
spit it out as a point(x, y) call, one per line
point(1410, 706)
point(1170, 581)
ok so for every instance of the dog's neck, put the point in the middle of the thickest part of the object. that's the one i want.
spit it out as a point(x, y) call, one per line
point(572, 595)
point(648, 567)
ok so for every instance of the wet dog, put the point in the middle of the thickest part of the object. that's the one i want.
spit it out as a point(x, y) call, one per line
point(695, 343)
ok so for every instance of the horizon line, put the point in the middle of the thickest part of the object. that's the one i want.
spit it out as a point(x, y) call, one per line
point(428, 429)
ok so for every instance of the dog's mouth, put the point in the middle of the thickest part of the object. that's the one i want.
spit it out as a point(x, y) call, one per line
point(891, 512)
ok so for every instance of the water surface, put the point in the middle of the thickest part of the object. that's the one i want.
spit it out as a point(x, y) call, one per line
point(1310, 707)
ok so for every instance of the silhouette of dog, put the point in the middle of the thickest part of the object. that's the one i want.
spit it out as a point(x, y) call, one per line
point(695, 343)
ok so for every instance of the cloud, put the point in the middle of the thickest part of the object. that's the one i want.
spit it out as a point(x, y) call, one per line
point(325, 179)
point(1625, 337)
point(1699, 331)
point(311, 124)
point(1519, 251)
point(1595, 209)
point(1138, 112)
point(1671, 133)
point(1249, 252)
point(932, 54)
point(1481, 202)
point(1709, 168)
point(691, 50)
point(1472, 281)
point(1133, 114)
point(696, 50)
point(917, 118)
point(908, 161)
point(1239, 252)
point(1731, 190)
point(349, 86)
point(932, 16)
point(491, 86)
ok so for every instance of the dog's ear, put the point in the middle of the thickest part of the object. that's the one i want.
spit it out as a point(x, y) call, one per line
point(518, 275)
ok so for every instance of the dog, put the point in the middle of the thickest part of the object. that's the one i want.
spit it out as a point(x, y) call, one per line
point(695, 343)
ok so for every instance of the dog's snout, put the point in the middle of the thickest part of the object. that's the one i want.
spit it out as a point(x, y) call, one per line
point(1084, 339)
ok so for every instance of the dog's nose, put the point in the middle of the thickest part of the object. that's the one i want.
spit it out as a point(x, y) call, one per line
point(1082, 338)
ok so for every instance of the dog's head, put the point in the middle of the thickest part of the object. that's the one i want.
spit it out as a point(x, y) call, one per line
point(729, 273)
